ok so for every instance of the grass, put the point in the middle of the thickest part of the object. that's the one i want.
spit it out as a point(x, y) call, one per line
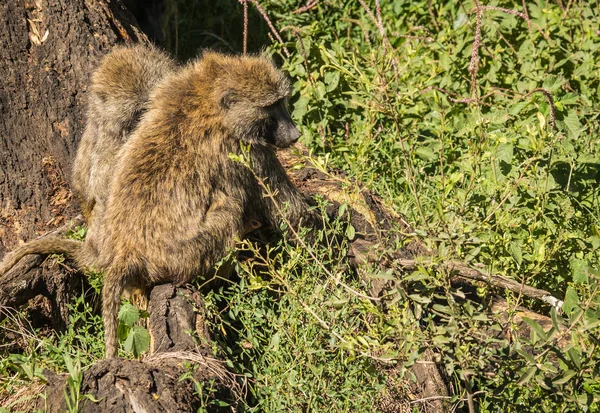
point(479, 124)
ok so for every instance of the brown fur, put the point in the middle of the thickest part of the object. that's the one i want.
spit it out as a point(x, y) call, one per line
point(117, 98)
point(178, 201)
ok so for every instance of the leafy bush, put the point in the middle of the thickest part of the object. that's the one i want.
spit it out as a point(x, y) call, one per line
point(486, 137)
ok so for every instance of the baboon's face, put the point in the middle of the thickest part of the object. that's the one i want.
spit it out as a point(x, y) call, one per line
point(252, 94)
point(269, 125)
point(281, 130)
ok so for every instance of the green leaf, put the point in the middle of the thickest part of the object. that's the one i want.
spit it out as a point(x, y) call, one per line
point(350, 232)
point(128, 314)
point(516, 253)
point(571, 301)
point(552, 83)
point(138, 341)
point(320, 90)
point(69, 364)
point(555, 320)
point(565, 378)
point(300, 107)
point(332, 79)
point(517, 108)
point(536, 328)
point(580, 271)
point(575, 356)
point(505, 152)
point(573, 124)
point(342, 209)
point(425, 153)
point(527, 376)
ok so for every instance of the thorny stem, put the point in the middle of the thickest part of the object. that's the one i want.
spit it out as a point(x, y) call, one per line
point(270, 24)
point(474, 64)
point(245, 4)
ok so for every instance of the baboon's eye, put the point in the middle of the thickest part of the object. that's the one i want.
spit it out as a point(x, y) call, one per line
point(228, 99)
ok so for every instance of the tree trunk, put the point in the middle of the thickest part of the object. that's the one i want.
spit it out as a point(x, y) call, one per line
point(48, 49)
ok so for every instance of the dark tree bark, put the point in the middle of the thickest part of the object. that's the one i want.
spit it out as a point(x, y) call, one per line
point(47, 51)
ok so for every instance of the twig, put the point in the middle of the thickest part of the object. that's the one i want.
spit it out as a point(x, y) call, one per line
point(474, 64)
point(245, 4)
point(496, 280)
point(309, 5)
point(270, 24)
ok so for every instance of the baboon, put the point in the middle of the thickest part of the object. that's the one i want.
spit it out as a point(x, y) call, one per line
point(117, 97)
point(178, 201)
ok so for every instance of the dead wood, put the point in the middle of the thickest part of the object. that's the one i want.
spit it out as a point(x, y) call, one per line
point(180, 348)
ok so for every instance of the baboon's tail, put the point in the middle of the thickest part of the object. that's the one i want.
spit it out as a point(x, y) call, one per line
point(114, 283)
point(44, 246)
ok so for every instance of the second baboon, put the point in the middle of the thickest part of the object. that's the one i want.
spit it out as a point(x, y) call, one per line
point(178, 201)
point(117, 97)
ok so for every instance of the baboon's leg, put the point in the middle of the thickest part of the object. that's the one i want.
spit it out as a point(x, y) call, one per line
point(178, 260)
point(220, 229)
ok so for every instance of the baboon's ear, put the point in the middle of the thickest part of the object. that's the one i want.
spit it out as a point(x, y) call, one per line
point(265, 55)
point(228, 99)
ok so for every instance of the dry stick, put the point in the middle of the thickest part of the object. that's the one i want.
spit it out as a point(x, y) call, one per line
point(309, 5)
point(496, 280)
point(270, 24)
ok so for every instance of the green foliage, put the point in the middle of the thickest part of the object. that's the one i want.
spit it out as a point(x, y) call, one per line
point(81, 341)
point(137, 338)
point(73, 396)
point(292, 333)
point(494, 160)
